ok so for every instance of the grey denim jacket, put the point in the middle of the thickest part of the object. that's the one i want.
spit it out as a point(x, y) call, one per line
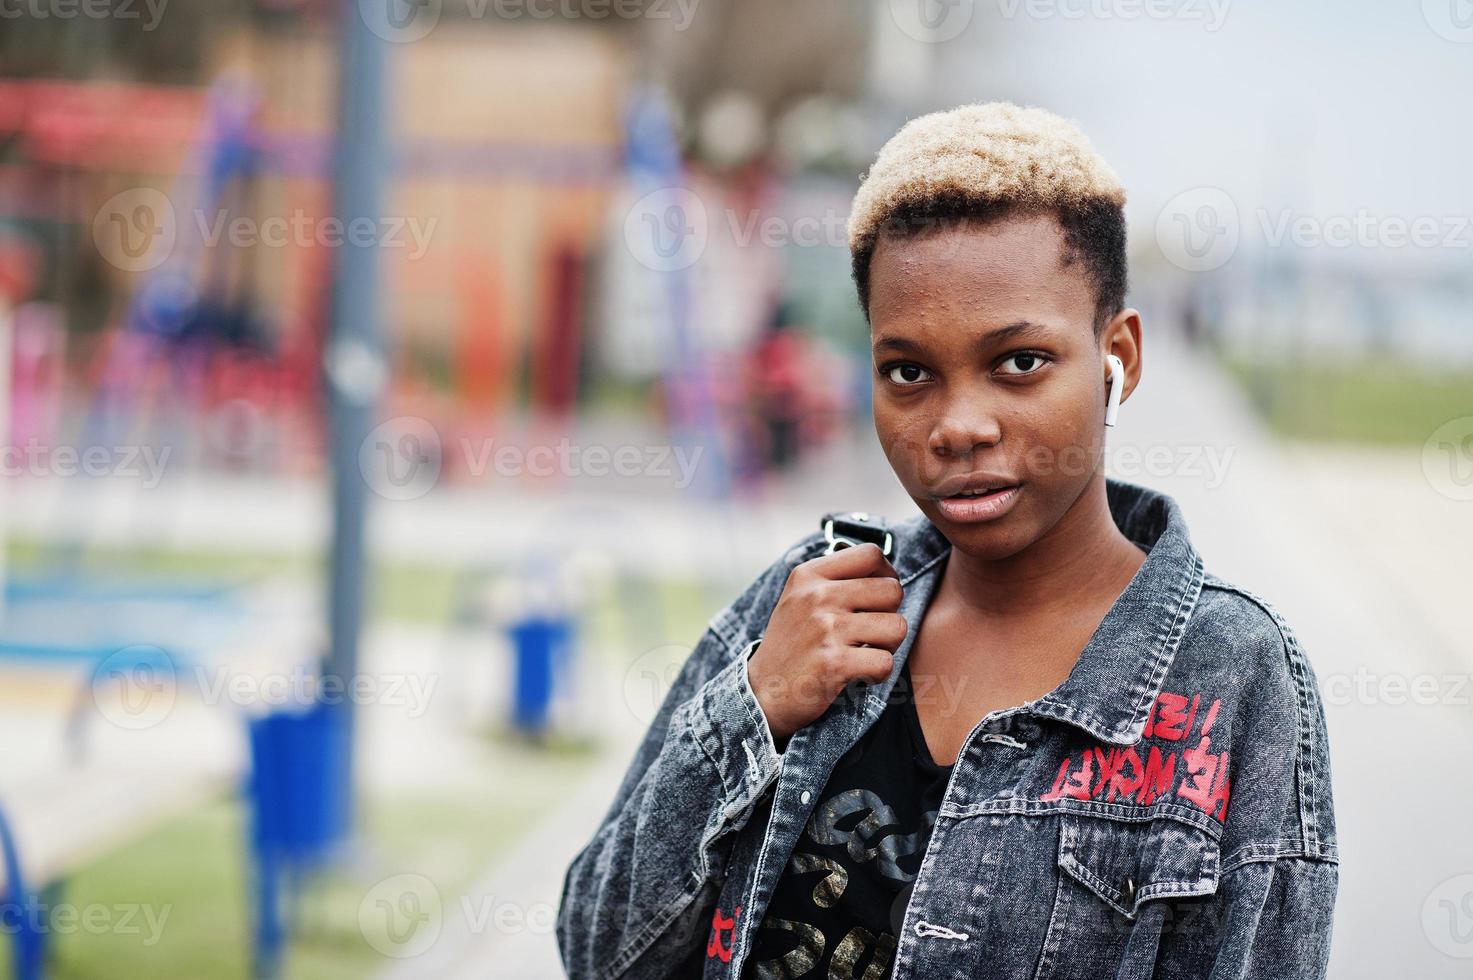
point(1165, 812)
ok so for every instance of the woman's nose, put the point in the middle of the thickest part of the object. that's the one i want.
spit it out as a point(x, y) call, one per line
point(963, 429)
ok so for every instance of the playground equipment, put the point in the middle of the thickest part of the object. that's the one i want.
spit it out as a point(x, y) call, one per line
point(192, 338)
point(55, 823)
point(88, 806)
point(52, 828)
point(29, 947)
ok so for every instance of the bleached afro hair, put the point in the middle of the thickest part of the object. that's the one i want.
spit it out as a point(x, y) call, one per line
point(989, 161)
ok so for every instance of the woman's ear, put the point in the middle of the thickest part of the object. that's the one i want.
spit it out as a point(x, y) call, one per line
point(1122, 338)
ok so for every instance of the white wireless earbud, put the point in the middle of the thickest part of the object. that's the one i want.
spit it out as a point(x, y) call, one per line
point(1117, 382)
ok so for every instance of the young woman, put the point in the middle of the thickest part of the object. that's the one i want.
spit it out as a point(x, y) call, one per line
point(1035, 738)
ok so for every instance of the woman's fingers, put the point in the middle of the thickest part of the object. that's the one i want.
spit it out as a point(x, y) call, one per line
point(874, 594)
point(876, 629)
point(870, 664)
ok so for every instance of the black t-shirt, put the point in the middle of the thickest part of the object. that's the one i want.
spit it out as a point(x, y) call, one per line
point(839, 904)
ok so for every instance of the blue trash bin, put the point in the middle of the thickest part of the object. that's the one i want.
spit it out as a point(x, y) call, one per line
point(541, 646)
point(301, 807)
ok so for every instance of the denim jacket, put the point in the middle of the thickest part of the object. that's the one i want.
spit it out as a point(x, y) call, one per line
point(1165, 812)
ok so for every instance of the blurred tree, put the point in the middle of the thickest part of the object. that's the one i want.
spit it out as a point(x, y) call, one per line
point(168, 43)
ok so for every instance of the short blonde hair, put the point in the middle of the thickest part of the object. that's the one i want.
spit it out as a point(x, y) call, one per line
point(991, 158)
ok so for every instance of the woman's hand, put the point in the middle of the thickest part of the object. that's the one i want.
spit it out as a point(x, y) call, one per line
point(835, 622)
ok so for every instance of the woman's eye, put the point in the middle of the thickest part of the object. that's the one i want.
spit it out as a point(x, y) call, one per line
point(1026, 362)
point(906, 374)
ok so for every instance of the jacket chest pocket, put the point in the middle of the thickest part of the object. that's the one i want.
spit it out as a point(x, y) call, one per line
point(1121, 886)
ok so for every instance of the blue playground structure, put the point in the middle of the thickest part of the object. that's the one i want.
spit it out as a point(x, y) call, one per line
point(71, 620)
point(29, 942)
point(297, 790)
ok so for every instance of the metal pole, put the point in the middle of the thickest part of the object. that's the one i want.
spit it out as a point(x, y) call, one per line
point(354, 369)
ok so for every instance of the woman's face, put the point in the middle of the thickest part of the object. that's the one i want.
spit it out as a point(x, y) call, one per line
point(987, 374)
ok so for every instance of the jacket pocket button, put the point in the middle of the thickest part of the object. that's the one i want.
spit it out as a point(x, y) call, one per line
point(1127, 894)
point(805, 797)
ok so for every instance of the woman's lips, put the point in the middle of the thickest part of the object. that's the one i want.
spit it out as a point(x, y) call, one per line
point(970, 509)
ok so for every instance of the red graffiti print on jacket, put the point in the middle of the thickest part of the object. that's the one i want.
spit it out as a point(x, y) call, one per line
point(1143, 774)
point(1206, 783)
point(721, 925)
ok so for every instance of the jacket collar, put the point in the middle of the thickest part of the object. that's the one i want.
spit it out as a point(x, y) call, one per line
point(1110, 691)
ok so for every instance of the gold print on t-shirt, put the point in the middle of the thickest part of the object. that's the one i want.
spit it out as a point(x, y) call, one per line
point(852, 948)
point(823, 828)
point(796, 961)
point(831, 886)
point(858, 843)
